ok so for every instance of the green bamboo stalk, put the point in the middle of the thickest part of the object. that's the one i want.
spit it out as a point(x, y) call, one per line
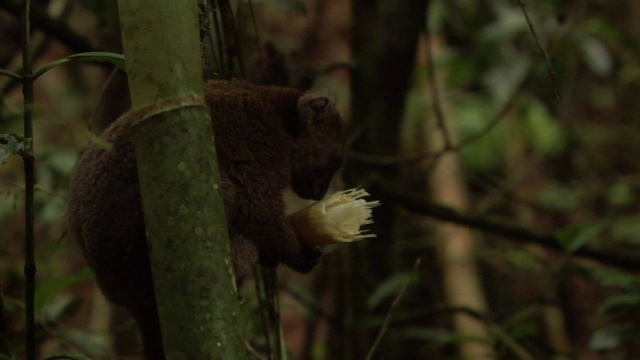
point(179, 181)
point(29, 179)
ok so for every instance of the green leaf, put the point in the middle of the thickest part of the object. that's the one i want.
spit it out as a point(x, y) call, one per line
point(53, 210)
point(428, 334)
point(437, 336)
point(62, 307)
point(626, 229)
point(575, 237)
point(506, 77)
point(605, 340)
point(54, 286)
point(541, 128)
point(525, 330)
point(459, 339)
point(437, 14)
point(116, 60)
point(603, 29)
point(65, 357)
point(528, 314)
point(304, 296)
point(596, 56)
point(293, 7)
point(509, 22)
point(11, 303)
point(561, 196)
point(620, 195)
point(10, 144)
point(524, 260)
point(625, 300)
point(388, 289)
point(614, 278)
point(62, 160)
point(97, 140)
point(5, 356)
point(94, 344)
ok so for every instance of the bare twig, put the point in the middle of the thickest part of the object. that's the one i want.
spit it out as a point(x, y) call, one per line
point(441, 121)
point(270, 305)
point(17, 187)
point(52, 27)
point(497, 331)
point(217, 43)
point(254, 351)
point(496, 119)
point(547, 58)
point(263, 301)
point(505, 191)
point(313, 308)
point(432, 156)
point(627, 260)
point(230, 32)
point(394, 306)
point(4, 329)
point(255, 25)
point(104, 88)
point(29, 179)
point(392, 160)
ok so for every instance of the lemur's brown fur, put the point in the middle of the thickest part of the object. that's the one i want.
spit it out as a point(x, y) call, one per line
point(267, 139)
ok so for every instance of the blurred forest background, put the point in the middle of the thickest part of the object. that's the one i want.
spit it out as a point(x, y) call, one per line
point(501, 138)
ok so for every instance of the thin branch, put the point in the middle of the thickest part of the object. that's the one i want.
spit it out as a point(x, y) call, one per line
point(393, 194)
point(231, 40)
point(29, 179)
point(435, 96)
point(255, 25)
point(54, 28)
point(498, 332)
point(496, 119)
point(101, 97)
point(11, 75)
point(51, 28)
point(313, 308)
point(547, 58)
point(217, 42)
point(18, 187)
point(505, 191)
point(394, 306)
point(393, 160)
point(349, 66)
point(270, 277)
point(4, 328)
point(319, 286)
point(254, 351)
point(263, 302)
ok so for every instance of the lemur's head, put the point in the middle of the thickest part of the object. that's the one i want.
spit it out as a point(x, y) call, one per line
point(319, 148)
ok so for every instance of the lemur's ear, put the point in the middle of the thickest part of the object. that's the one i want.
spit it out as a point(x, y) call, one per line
point(314, 108)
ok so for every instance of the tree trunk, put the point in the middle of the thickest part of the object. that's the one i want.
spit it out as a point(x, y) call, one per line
point(384, 41)
point(462, 280)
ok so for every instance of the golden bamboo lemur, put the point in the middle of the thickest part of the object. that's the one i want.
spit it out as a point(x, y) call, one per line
point(267, 139)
